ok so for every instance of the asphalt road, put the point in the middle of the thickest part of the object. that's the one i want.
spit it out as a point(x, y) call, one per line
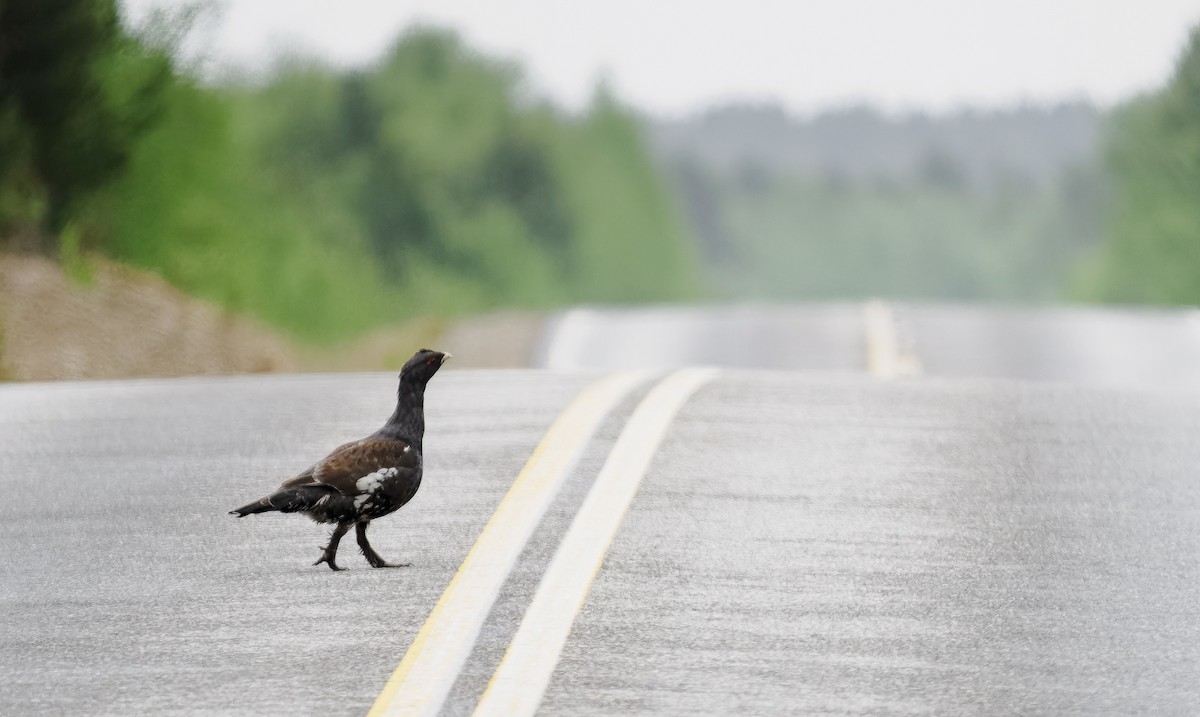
point(813, 540)
point(816, 337)
point(1101, 347)
point(1085, 346)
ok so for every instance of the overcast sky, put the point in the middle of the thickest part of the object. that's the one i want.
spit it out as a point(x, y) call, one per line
point(674, 58)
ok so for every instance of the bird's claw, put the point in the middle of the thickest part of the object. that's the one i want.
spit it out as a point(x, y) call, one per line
point(386, 564)
point(376, 560)
point(326, 559)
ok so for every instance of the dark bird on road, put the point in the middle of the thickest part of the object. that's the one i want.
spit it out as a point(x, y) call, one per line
point(365, 479)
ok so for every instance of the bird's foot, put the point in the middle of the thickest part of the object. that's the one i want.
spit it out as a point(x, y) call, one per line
point(327, 558)
point(378, 562)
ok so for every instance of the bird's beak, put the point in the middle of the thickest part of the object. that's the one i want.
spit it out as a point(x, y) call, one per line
point(446, 356)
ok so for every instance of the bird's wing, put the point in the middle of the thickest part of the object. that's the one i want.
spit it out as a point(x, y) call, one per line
point(305, 477)
point(346, 468)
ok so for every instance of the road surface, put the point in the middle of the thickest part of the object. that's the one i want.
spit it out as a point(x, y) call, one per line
point(989, 530)
point(1099, 347)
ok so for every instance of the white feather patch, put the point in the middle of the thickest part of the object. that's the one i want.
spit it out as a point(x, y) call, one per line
point(371, 481)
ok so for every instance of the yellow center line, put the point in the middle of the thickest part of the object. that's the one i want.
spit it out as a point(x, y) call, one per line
point(886, 358)
point(520, 680)
point(422, 680)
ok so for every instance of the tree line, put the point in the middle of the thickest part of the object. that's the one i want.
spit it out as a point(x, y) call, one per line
point(326, 201)
point(1152, 248)
point(330, 201)
point(1029, 204)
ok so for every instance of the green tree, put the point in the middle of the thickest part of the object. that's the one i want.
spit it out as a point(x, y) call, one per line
point(82, 91)
point(453, 178)
point(1153, 248)
point(325, 202)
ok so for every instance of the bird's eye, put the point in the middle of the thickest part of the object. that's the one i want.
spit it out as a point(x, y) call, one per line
point(429, 362)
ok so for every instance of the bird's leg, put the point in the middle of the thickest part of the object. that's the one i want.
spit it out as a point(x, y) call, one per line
point(360, 531)
point(329, 553)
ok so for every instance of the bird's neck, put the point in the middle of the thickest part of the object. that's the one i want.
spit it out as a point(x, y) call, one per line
point(408, 420)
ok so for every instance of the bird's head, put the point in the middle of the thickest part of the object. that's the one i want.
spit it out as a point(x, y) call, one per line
point(422, 366)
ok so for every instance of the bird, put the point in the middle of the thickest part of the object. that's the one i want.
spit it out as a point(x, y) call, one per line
point(365, 479)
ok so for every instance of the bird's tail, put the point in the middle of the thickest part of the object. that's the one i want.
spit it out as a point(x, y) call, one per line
point(262, 505)
point(287, 500)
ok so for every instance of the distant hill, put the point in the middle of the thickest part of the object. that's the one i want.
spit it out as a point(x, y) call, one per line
point(857, 143)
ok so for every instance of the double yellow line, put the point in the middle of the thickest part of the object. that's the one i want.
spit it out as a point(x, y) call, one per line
point(426, 674)
point(421, 682)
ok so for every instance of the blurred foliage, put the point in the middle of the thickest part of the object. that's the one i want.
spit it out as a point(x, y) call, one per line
point(76, 92)
point(822, 219)
point(1153, 250)
point(328, 202)
point(982, 147)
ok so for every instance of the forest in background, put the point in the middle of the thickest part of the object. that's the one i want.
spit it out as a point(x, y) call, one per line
point(1151, 252)
point(323, 201)
point(328, 202)
point(974, 205)
point(1025, 205)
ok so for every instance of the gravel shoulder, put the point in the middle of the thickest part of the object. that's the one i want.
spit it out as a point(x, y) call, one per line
point(126, 323)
